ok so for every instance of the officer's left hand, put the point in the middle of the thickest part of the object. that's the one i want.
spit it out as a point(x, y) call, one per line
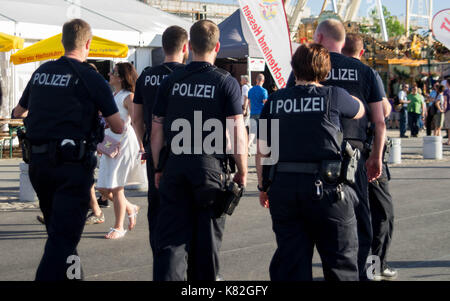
point(264, 199)
point(374, 167)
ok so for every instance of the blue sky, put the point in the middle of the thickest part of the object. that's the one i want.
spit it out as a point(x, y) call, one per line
point(396, 7)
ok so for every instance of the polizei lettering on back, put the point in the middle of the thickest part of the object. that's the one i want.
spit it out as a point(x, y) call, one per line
point(56, 80)
point(194, 90)
point(307, 104)
point(154, 80)
point(343, 74)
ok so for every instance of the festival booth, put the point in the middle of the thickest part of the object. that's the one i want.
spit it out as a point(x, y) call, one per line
point(52, 48)
point(239, 52)
point(129, 22)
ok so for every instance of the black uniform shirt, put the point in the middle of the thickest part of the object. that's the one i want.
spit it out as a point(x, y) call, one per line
point(360, 81)
point(147, 85)
point(230, 94)
point(197, 93)
point(54, 95)
point(342, 105)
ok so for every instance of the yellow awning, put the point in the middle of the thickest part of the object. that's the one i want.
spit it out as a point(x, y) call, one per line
point(8, 42)
point(402, 61)
point(52, 48)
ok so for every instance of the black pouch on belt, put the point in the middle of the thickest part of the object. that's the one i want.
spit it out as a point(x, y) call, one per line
point(331, 171)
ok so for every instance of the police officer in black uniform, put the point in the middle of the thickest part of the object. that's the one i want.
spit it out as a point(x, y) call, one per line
point(359, 80)
point(310, 203)
point(175, 45)
point(380, 199)
point(193, 177)
point(62, 101)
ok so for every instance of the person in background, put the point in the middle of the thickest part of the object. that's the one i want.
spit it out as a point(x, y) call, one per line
point(447, 112)
point(430, 109)
point(258, 97)
point(245, 82)
point(126, 168)
point(416, 108)
point(441, 106)
point(403, 98)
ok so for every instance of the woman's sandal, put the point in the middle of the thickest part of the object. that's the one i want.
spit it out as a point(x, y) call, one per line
point(111, 230)
point(134, 215)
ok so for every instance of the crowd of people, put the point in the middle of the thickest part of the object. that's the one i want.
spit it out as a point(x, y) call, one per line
point(421, 110)
point(329, 187)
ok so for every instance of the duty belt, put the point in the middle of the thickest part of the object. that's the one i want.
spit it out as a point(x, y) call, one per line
point(39, 149)
point(356, 144)
point(298, 167)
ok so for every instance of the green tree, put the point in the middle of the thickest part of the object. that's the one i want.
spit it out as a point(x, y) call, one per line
point(393, 26)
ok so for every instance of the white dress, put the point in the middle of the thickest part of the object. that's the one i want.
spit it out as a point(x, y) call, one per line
point(125, 168)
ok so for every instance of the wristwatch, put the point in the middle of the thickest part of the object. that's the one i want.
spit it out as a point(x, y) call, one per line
point(260, 189)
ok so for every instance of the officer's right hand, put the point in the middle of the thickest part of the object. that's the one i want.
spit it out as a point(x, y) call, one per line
point(264, 199)
point(240, 178)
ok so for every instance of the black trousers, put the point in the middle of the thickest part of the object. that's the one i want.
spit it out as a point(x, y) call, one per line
point(413, 119)
point(153, 202)
point(64, 194)
point(382, 210)
point(300, 223)
point(188, 237)
point(363, 217)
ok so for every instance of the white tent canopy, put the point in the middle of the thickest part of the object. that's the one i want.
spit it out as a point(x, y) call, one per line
point(131, 22)
point(128, 21)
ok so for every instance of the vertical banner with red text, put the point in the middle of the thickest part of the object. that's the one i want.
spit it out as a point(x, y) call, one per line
point(268, 23)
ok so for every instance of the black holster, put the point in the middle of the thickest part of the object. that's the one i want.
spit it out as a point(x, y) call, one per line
point(25, 145)
point(228, 200)
point(350, 163)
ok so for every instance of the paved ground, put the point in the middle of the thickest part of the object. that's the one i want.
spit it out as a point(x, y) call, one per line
point(420, 248)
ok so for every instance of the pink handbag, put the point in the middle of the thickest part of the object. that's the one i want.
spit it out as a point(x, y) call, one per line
point(109, 147)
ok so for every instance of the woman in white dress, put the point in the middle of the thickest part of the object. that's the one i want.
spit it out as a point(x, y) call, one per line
point(126, 168)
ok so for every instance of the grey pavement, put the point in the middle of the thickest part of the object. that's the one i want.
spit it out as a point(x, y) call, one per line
point(420, 249)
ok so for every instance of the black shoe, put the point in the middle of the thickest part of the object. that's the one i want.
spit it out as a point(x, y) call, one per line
point(404, 136)
point(103, 203)
point(40, 218)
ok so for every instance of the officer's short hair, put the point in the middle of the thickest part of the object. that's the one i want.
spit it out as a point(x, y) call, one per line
point(204, 35)
point(353, 44)
point(75, 34)
point(173, 39)
point(128, 75)
point(311, 62)
point(333, 29)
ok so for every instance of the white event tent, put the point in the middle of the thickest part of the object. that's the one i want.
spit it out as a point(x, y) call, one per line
point(126, 21)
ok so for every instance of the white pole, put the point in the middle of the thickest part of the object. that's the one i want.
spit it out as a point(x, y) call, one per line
point(383, 23)
point(334, 6)
point(407, 18)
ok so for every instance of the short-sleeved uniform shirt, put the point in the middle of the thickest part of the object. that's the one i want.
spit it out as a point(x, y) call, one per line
point(147, 85)
point(301, 101)
point(198, 93)
point(256, 95)
point(360, 81)
point(55, 92)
